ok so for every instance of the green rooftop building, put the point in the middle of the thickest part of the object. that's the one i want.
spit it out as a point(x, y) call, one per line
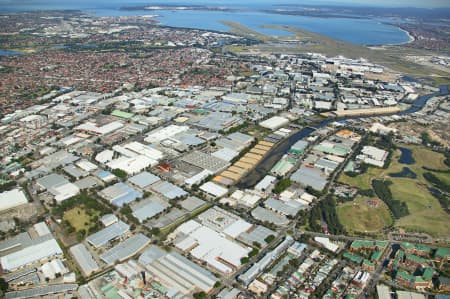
point(122, 114)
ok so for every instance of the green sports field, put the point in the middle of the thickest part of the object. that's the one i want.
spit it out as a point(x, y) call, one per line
point(358, 216)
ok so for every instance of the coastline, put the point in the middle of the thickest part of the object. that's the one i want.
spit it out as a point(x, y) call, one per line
point(160, 18)
point(410, 40)
point(411, 37)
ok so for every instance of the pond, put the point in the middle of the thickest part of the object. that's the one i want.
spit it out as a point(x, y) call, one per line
point(405, 173)
point(406, 157)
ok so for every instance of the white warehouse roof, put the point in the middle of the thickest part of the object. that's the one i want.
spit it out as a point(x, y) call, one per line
point(11, 199)
point(41, 229)
point(265, 183)
point(30, 255)
point(103, 130)
point(132, 165)
point(237, 228)
point(274, 123)
point(213, 248)
point(160, 134)
point(214, 189)
point(104, 156)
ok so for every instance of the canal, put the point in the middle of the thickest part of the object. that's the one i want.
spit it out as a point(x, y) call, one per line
point(282, 148)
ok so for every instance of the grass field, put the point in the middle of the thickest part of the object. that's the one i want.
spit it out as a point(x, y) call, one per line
point(444, 177)
point(358, 217)
point(428, 158)
point(426, 214)
point(250, 33)
point(422, 157)
point(362, 181)
point(79, 219)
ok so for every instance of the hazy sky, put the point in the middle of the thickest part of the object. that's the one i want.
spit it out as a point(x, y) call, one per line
point(389, 3)
point(397, 3)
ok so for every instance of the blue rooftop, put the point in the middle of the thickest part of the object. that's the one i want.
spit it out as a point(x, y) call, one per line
point(104, 174)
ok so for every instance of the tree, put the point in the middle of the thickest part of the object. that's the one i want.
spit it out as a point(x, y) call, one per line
point(253, 252)
point(199, 295)
point(155, 231)
point(282, 185)
point(325, 210)
point(3, 285)
point(120, 173)
point(256, 244)
point(269, 238)
point(398, 208)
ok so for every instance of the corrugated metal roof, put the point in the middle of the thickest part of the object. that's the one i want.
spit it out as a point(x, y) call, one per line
point(149, 208)
point(107, 234)
point(30, 254)
point(169, 190)
point(42, 291)
point(144, 179)
point(263, 214)
point(125, 249)
point(226, 154)
point(52, 180)
point(84, 259)
point(310, 177)
point(120, 194)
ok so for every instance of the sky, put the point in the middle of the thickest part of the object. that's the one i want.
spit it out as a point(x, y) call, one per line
point(387, 3)
point(396, 3)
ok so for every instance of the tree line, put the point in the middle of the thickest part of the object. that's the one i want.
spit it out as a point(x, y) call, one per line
point(398, 208)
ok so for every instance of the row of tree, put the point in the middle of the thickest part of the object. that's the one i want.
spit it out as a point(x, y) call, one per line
point(398, 208)
point(325, 211)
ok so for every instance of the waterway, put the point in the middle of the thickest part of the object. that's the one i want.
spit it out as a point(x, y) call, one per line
point(273, 157)
point(361, 31)
point(282, 148)
point(9, 53)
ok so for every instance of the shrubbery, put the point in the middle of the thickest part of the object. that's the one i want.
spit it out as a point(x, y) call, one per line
point(436, 182)
point(282, 185)
point(326, 210)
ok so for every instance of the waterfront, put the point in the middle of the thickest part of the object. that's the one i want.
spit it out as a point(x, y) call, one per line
point(268, 162)
point(361, 31)
point(346, 29)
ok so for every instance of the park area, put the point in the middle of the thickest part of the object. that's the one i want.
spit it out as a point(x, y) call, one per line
point(406, 183)
point(81, 218)
point(80, 215)
point(364, 215)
